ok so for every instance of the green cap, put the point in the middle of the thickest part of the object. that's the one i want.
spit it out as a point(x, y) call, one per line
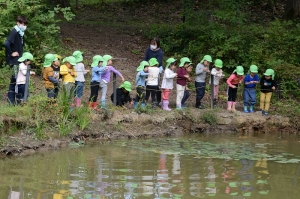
point(169, 61)
point(270, 72)
point(153, 62)
point(26, 56)
point(253, 69)
point(126, 85)
point(78, 56)
point(239, 70)
point(70, 59)
point(219, 63)
point(142, 66)
point(96, 60)
point(49, 58)
point(106, 58)
point(183, 61)
point(206, 58)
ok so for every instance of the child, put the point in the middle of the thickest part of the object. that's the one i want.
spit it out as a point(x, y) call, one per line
point(233, 81)
point(13, 51)
point(267, 86)
point(152, 83)
point(97, 70)
point(250, 82)
point(123, 94)
point(106, 77)
point(25, 60)
point(182, 77)
point(141, 83)
point(218, 74)
point(68, 76)
point(55, 66)
point(167, 83)
point(48, 78)
point(79, 80)
point(201, 69)
point(187, 93)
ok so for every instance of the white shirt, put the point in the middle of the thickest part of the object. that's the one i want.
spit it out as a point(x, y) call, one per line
point(153, 73)
point(217, 76)
point(167, 82)
point(80, 70)
point(21, 78)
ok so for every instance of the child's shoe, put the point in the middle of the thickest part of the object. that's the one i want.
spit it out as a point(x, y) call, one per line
point(78, 102)
point(246, 109)
point(165, 105)
point(229, 105)
point(251, 109)
point(178, 107)
point(265, 113)
point(233, 106)
point(135, 105)
point(143, 105)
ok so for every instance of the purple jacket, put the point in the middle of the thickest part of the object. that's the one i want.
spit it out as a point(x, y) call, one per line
point(106, 74)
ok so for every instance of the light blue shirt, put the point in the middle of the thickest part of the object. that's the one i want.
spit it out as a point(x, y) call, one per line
point(141, 78)
point(96, 73)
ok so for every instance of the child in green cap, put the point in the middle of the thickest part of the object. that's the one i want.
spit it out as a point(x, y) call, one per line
point(24, 61)
point(250, 82)
point(218, 75)
point(152, 83)
point(123, 94)
point(48, 75)
point(142, 74)
point(267, 86)
point(233, 82)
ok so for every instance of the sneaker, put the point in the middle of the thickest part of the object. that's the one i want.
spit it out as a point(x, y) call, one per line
point(201, 107)
point(183, 106)
point(265, 113)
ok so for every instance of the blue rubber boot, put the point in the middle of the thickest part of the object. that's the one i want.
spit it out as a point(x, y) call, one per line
point(103, 104)
point(135, 105)
point(143, 105)
point(246, 109)
point(251, 109)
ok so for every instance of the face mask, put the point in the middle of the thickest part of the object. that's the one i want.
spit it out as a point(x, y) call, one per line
point(22, 28)
point(153, 47)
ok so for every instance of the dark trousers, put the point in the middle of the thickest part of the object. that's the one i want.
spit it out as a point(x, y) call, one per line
point(200, 90)
point(21, 92)
point(94, 91)
point(232, 93)
point(158, 95)
point(140, 94)
point(11, 95)
point(55, 91)
point(151, 90)
point(186, 96)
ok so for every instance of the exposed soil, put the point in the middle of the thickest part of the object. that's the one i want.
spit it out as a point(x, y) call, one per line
point(127, 44)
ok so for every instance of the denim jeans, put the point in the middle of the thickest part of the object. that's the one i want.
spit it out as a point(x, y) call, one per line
point(11, 95)
point(21, 92)
point(249, 96)
point(78, 89)
point(186, 96)
point(200, 90)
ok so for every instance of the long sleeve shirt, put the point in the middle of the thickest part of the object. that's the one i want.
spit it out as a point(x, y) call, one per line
point(153, 76)
point(181, 80)
point(234, 80)
point(248, 78)
point(97, 73)
point(49, 81)
point(269, 84)
point(200, 73)
point(80, 70)
point(217, 76)
point(21, 77)
point(140, 79)
point(158, 54)
point(122, 98)
point(106, 75)
point(13, 43)
point(169, 76)
point(66, 76)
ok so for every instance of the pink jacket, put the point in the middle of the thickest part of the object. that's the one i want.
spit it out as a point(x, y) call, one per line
point(234, 80)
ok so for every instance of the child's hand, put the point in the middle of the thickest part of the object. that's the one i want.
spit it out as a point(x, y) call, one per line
point(122, 78)
point(265, 84)
point(87, 71)
point(186, 76)
point(233, 86)
point(32, 73)
point(131, 102)
point(55, 76)
point(240, 81)
point(273, 87)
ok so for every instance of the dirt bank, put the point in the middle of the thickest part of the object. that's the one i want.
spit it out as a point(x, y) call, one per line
point(127, 124)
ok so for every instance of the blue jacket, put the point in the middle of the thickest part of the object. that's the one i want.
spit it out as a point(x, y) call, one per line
point(248, 78)
point(141, 78)
point(96, 73)
point(159, 55)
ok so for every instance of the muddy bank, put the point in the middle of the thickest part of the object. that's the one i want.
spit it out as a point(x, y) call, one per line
point(127, 124)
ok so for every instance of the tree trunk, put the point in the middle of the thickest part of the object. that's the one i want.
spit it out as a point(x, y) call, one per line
point(292, 9)
point(62, 3)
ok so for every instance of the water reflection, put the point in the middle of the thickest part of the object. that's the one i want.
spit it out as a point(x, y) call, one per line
point(108, 171)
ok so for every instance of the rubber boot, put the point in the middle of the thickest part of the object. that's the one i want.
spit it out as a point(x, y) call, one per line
point(135, 105)
point(233, 106)
point(78, 102)
point(229, 105)
point(197, 104)
point(95, 106)
point(103, 104)
point(246, 109)
point(251, 109)
point(165, 105)
point(178, 107)
point(90, 105)
point(143, 104)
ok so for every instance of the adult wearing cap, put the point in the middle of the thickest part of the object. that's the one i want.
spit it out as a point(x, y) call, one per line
point(123, 94)
point(154, 51)
point(68, 76)
point(202, 69)
point(182, 77)
point(47, 72)
point(24, 61)
point(106, 77)
point(267, 86)
point(152, 83)
point(250, 82)
point(79, 80)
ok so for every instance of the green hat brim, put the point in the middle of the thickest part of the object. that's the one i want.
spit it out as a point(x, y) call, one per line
point(240, 73)
point(218, 66)
point(254, 71)
point(267, 74)
point(21, 59)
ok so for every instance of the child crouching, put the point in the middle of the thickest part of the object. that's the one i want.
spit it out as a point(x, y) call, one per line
point(123, 94)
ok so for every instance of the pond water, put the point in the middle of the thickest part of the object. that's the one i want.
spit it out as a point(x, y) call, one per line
point(189, 167)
